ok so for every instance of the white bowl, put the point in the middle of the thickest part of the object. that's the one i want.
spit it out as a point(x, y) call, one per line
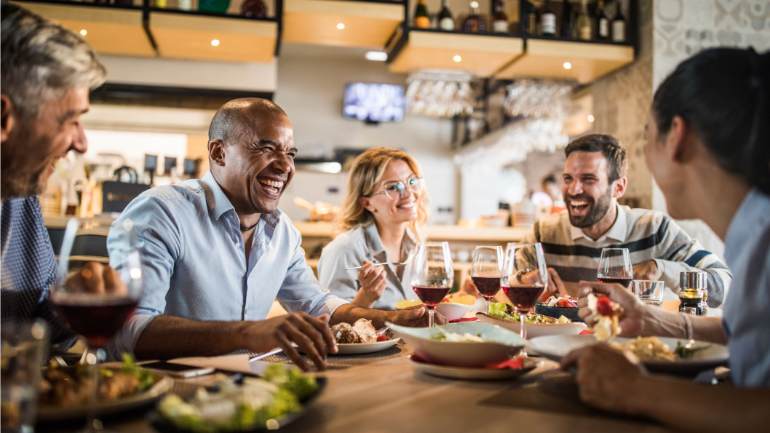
point(536, 329)
point(500, 344)
point(452, 311)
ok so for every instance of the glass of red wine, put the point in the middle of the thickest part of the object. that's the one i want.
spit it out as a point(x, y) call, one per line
point(433, 275)
point(615, 267)
point(96, 300)
point(526, 277)
point(487, 270)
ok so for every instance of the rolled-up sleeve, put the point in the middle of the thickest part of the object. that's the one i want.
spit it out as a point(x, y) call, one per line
point(159, 243)
point(300, 290)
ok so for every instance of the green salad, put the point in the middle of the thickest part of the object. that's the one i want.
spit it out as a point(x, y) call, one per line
point(231, 407)
point(502, 311)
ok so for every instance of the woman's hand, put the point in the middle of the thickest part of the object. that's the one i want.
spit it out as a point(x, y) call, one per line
point(372, 285)
point(633, 314)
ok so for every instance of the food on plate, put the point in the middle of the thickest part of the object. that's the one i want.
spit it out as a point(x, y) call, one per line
point(606, 313)
point(456, 337)
point(460, 298)
point(73, 386)
point(408, 303)
point(499, 310)
point(241, 405)
point(561, 302)
point(654, 349)
point(362, 331)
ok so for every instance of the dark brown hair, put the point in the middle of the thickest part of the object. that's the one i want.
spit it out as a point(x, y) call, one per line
point(608, 146)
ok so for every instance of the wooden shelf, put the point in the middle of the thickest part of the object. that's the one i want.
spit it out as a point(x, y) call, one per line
point(544, 58)
point(110, 29)
point(367, 24)
point(190, 35)
point(499, 235)
point(481, 54)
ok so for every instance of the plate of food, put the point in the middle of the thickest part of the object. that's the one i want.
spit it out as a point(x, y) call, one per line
point(505, 315)
point(466, 344)
point(241, 405)
point(556, 307)
point(361, 337)
point(514, 368)
point(65, 391)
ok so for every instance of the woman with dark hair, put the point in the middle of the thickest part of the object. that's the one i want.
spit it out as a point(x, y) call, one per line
point(709, 151)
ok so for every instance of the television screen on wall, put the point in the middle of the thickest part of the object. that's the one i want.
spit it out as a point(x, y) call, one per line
point(374, 102)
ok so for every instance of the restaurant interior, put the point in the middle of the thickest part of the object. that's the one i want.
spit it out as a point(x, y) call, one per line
point(481, 108)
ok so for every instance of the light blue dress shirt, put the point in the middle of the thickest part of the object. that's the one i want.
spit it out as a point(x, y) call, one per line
point(747, 308)
point(194, 263)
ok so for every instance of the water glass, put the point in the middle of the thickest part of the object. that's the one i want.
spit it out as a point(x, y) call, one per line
point(648, 291)
point(24, 346)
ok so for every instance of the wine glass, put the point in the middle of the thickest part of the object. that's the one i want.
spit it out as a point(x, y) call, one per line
point(95, 301)
point(615, 267)
point(433, 275)
point(526, 278)
point(487, 270)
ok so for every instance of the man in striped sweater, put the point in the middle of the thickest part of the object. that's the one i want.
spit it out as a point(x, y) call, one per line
point(594, 179)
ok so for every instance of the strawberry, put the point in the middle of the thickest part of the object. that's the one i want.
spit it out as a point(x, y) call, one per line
point(604, 306)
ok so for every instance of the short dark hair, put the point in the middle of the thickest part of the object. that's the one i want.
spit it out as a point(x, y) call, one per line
point(608, 146)
point(723, 94)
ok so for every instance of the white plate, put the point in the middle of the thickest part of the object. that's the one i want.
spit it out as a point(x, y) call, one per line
point(557, 346)
point(536, 329)
point(362, 348)
point(499, 344)
point(471, 373)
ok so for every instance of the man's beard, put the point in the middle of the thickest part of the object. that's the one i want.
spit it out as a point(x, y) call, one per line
point(596, 210)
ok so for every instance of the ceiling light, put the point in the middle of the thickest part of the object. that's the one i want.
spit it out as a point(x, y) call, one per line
point(340, 26)
point(474, 4)
point(376, 56)
point(590, 118)
point(567, 65)
point(83, 32)
point(215, 42)
point(457, 58)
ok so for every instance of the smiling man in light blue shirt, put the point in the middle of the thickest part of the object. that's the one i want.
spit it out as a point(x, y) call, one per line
point(217, 252)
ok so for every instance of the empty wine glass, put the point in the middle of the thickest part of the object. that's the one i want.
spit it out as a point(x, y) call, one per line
point(615, 267)
point(526, 278)
point(433, 275)
point(487, 270)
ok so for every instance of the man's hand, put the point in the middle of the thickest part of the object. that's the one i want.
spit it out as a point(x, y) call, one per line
point(311, 335)
point(605, 376)
point(555, 286)
point(647, 270)
point(414, 317)
point(96, 278)
point(633, 313)
point(372, 285)
point(468, 287)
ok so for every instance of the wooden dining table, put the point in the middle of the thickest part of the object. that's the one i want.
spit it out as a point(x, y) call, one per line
point(383, 392)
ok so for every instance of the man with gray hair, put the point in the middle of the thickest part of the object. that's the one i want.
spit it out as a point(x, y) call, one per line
point(47, 73)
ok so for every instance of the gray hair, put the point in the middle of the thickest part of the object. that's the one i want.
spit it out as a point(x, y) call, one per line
point(42, 60)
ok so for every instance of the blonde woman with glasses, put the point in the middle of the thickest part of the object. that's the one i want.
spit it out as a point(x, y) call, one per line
point(385, 206)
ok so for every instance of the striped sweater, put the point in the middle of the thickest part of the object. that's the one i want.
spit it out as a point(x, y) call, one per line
point(648, 235)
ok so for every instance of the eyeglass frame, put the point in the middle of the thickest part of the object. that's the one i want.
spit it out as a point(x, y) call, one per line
point(414, 188)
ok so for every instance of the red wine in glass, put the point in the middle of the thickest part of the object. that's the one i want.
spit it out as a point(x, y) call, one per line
point(624, 281)
point(487, 286)
point(524, 297)
point(96, 318)
point(431, 296)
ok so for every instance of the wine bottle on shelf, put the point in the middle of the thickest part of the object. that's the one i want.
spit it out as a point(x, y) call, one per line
point(473, 22)
point(547, 20)
point(584, 31)
point(445, 20)
point(602, 22)
point(500, 19)
point(567, 20)
point(421, 17)
point(531, 19)
point(254, 9)
point(619, 24)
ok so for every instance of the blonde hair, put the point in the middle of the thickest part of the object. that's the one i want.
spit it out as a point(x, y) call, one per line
point(366, 172)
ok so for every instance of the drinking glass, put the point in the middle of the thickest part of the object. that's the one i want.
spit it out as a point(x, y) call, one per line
point(433, 275)
point(615, 267)
point(487, 270)
point(96, 300)
point(23, 352)
point(526, 278)
point(648, 291)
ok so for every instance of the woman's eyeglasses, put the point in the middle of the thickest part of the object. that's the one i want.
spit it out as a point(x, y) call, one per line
point(397, 189)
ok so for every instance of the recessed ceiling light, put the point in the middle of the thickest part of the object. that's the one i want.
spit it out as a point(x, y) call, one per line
point(474, 4)
point(567, 65)
point(215, 42)
point(340, 26)
point(83, 32)
point(457, 58)
point(377, 56)
point(590, 118)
